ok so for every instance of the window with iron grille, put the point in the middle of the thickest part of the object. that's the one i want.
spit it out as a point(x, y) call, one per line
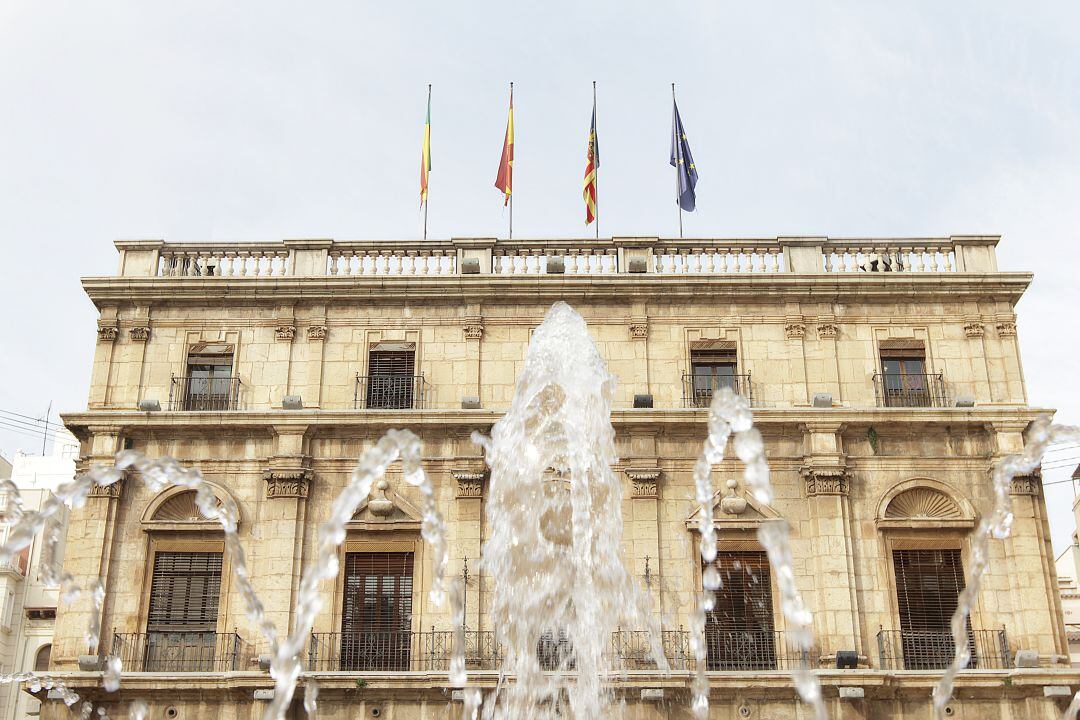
point(376, 617)
point(391, 376)
point(712, 369)
point(185, 592)
point(904, 379)
point(739, 630)
point(928, 586)
point(209, 378)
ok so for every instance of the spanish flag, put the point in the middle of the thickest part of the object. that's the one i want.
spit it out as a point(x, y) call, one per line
point(505, 179)
point(425, 153)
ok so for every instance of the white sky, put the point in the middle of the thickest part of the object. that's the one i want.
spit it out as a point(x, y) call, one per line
point(262, 120)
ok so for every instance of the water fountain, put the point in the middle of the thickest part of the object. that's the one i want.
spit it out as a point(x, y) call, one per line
point(553, 554)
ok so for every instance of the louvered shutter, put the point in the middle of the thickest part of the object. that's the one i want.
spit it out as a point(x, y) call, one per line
point(376, 618)
point(928, 586)
point(739, 629)
point(185, 592)
point(390, 378)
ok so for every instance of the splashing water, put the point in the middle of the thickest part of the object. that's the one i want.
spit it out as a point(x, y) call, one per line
point(555, 512)
point(286, 653)
point(997, 525)
point(731, 413)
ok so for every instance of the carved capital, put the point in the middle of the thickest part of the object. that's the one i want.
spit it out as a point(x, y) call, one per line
point(795, 331)
point(285, 332)
point(470, 484)
point(139, 333)
point(316, 332)
point(825, 481)
point(108, 491)
point(974, 329)
point(644, 480)
point(1027, 484)
point(1006, 329)
point(473, 329)
point(827, 330)
point(639, 328)
point(107, 333)
point(287, 482)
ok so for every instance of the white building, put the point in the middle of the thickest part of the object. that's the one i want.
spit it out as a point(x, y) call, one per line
point(27, 604)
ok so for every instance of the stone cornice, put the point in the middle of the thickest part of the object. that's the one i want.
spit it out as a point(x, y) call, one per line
point(778, 287)
point(118, 421)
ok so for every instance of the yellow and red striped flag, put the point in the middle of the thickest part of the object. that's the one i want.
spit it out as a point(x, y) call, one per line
point(592, 163)
point(505, 179)
point(425, 153)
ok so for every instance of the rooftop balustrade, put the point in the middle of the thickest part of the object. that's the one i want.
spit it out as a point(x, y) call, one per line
point(603, 256)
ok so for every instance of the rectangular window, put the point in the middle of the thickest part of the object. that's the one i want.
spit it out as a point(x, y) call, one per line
point(391, 382)
point(712, 369)
point(739, 630)
point(209, 383)
point(904, 380)
point(181, 624)
point(928, 586)
point(376, 615)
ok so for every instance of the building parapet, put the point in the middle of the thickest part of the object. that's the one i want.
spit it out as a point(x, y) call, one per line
point(605, 256)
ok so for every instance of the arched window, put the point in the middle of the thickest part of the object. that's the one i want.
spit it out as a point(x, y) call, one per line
point(42, 657)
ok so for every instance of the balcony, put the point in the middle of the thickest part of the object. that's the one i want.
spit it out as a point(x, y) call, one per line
point(180, 652)
point(910, 390)
point(400, 651)
point(204, 394)
point(391, 392)
point(745, 650)
point(698, 390)
point(934, 650)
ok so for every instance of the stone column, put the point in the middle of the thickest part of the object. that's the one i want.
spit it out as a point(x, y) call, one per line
point(288, 478)
point(795, 332)
point(975, 332)
point(1036, 620)
point(830, 540)
point(467, 517)
point(472, 327)
point(642, 524)
point(91, 535)
point(108, 331)
point(316, 340)
point(827, 332)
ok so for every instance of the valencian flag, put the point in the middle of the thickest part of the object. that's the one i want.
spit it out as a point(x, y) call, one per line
point(425, 153)
point(505, 179)
point(592, 164)
point(683, 162)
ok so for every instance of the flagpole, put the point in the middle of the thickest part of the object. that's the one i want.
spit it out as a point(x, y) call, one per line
point(677, 146)
point(427, 195)
point(596, 166)
point(511, 236)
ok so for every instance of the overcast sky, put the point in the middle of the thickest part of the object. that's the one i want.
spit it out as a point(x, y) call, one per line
point(264, 120)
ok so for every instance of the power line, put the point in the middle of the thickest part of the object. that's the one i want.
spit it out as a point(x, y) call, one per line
point(23, 424)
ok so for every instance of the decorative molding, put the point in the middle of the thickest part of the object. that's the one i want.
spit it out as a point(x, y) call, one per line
point(285, 332)
point(107, 333)
point(923, 503)
point(470, 484)
point(795, 330)
point(645, 482)
point(473, 329)
point(827, 330)
point(639, 328)
point(115, 490)
point(140, 333)
point(1006, 329)
point(287, 483)
point(1027, 484)
point(316, 332)
point(825, 481)
point(974, 329)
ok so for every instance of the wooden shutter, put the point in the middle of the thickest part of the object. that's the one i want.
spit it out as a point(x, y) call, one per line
point(928, 585)
point(376, 618)
point(739, 629)
point(391, 362)
point(185, 592)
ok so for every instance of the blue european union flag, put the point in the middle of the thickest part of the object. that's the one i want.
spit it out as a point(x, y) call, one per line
point(683, 162)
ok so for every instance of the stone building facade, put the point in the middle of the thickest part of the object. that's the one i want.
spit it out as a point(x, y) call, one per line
point(885, 376)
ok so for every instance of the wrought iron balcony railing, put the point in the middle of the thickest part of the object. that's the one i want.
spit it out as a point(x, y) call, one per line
point(922, 390)
point(391, 392)
point(698, 390)
point(399, 651)
point(214, 394)
point(179, 652)
point(742, 650)
point(934, 650)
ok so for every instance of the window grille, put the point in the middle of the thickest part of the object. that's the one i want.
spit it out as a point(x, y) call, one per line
point(739, 630)
point(928, 586)
point(390, 378)
point(376, 618)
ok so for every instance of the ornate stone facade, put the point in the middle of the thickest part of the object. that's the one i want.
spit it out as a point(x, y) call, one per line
point(855, 481)
point(973, 329)
point(285, 332)
point(1006, 329)
point(139, 333)
point(107, 333)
